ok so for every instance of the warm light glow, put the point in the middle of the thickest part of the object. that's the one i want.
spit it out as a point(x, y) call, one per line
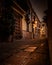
point(30, 49)
point(24, 27)
point(43, 30)
point(35, 25)
point(35, 22)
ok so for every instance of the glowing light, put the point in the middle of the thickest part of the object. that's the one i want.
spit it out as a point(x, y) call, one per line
point(35, 22)
point(30, 49)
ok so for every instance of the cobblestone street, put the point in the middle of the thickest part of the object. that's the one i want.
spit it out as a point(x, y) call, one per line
point(27, 53)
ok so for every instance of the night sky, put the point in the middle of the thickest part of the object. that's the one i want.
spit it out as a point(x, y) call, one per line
point(39, 7)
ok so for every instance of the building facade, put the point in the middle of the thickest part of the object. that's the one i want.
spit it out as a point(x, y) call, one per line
point(43, 30)
point(24, 23)
point(27, 23)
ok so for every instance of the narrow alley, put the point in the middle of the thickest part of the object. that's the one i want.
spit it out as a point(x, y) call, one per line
point(25, 37)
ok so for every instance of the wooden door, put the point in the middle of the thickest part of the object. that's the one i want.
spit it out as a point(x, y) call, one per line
point(18, 34)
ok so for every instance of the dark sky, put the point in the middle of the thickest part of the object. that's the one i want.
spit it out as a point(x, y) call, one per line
point(39, 7)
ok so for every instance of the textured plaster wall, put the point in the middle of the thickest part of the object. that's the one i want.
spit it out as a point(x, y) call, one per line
point(24, 25)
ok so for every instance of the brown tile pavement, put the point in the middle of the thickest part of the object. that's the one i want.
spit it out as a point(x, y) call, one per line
point(40, 56)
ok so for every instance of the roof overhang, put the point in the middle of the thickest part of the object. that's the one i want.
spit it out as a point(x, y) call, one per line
point(16, 8)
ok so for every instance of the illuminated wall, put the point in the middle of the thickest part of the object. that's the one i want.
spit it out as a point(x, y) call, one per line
point(43, 30)
point(24, 25)
point(25, 33)
point(34, 26)
point(30, 27)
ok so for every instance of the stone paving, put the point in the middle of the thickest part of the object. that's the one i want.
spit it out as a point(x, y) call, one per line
point(22, 55)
